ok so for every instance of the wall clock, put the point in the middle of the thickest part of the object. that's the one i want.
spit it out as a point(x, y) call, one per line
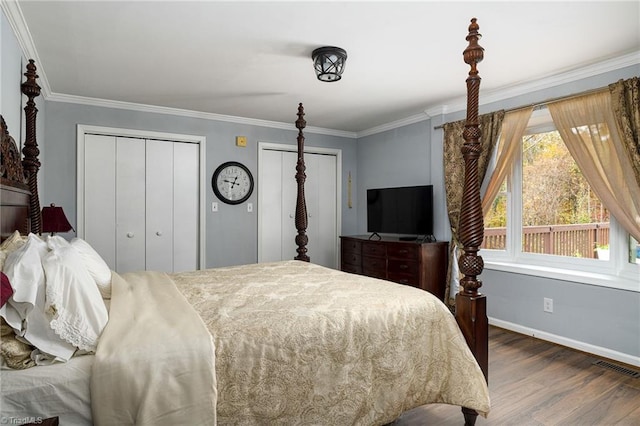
point(232, 182)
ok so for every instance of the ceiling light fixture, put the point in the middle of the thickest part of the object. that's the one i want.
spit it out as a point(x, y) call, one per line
point(329, 63)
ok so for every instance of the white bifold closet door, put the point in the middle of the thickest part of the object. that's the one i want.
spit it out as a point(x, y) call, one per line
point(278, 204)
point(142, 202)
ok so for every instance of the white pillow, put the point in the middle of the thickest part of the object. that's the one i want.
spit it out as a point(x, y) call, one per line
point(78, 311)
point(95, 264)
point(24, 269)
point(38, 333)
point(24, 311)
point(55, 241)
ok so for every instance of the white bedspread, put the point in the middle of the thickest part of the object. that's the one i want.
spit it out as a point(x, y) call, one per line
point(300, 344)
point(61, 390)
point(155, 360)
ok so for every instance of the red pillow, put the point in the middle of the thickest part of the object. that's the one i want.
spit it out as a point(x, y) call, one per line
point(5, 289)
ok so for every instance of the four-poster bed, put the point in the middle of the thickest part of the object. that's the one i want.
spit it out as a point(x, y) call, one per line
point(291, 342)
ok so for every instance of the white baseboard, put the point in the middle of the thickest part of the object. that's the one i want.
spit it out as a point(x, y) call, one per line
point(570, 343)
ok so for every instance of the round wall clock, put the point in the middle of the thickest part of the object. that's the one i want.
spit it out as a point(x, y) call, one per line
point(232, 182)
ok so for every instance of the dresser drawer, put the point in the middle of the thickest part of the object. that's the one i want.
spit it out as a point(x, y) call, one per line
point(351, 258)
point(374, 266)
point(404, 251)
point(351, 246)
point(371, 262)
point(374, 249)
point(352, 269)
point(374, 273)
point(402, 266)
point(407, 279)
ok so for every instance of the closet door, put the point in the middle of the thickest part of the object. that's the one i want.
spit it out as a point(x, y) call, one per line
point(289, 188)
point(142, 202)
point(159, 202)
point(186, 206)
point(321, 203)
point(271, 208)
point(100, 196)
point(130, 204)
point(277, 206)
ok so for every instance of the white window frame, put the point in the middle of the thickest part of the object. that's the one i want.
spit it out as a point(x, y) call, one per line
point(617, 272)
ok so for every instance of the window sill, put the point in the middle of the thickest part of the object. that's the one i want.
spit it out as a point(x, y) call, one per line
point(589, 278)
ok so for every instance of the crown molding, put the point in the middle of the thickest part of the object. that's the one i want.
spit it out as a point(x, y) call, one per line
point(393, 125)
point(106, 103)
point(522, 88)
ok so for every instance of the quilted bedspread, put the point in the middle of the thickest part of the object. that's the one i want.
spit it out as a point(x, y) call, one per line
point(297, 343)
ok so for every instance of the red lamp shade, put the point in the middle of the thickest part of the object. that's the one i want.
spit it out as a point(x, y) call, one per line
point(54, 220)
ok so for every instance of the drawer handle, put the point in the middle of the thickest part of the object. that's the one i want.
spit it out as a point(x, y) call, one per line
point(404, 266)
point(403, 251)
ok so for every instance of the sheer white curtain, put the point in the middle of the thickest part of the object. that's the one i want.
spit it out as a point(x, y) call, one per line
point(513, 127)
point(588, 127)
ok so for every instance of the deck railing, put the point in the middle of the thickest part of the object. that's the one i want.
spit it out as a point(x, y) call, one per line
point(562, 240)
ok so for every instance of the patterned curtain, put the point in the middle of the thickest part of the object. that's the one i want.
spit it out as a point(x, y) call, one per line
point(625, 100)
point(490, 124)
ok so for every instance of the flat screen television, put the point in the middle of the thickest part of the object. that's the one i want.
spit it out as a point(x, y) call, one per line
point(407, 211)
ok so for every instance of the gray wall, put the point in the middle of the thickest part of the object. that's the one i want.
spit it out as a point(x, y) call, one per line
point(10, 76)
point(397, 157)
point(231, 233)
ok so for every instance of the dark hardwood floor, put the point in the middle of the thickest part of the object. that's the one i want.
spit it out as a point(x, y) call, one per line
point(533, 382)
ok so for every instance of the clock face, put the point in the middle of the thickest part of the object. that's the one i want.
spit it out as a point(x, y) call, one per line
point(232, 182)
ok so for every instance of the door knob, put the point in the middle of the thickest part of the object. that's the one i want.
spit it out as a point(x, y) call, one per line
point(130, 234)
point(159, 233)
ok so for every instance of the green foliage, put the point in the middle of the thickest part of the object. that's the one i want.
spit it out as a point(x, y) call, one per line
point(555, 192)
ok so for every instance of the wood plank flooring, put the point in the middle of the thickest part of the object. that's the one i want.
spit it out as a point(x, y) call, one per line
point(536, 383)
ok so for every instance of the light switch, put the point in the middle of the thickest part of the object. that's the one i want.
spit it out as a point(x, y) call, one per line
point(250, 207)
point(241, 140)
point(214, 206)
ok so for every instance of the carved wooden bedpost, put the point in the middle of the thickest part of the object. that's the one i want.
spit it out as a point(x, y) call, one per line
point(30, 163)
point(471, 306)
point(301, 205)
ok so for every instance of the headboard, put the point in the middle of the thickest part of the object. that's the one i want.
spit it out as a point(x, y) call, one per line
point(14, 191)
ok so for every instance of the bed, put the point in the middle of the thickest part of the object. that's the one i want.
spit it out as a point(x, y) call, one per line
point(274, 343)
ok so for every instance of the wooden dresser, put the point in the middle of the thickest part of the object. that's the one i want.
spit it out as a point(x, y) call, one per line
point(422, 265)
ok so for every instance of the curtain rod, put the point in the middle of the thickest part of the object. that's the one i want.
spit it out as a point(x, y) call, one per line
point(543, 104)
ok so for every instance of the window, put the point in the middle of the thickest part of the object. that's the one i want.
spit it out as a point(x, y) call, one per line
point(547, 219)
point(634, 251)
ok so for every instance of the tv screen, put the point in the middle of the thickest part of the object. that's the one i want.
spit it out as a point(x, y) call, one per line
point(404, 210)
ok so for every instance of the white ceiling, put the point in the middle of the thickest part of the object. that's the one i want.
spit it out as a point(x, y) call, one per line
point(253, 59)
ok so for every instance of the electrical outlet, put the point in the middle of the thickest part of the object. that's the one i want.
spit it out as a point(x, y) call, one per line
point(250, 207)
point(548, 305)
point(214, 206)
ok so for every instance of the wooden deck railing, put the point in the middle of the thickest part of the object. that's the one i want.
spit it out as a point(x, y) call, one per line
point(562, 240)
